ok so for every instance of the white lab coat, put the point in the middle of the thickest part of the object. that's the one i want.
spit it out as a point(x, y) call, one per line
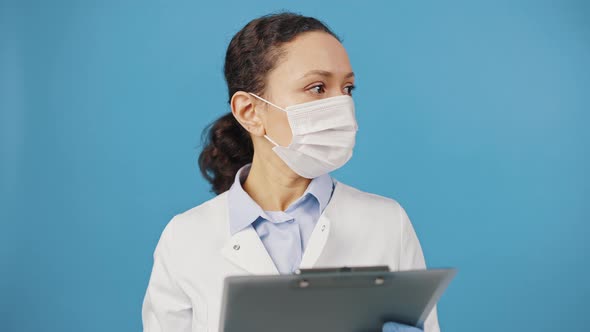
point(196, 252)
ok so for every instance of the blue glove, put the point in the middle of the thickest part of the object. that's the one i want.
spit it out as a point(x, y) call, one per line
point(396, 327)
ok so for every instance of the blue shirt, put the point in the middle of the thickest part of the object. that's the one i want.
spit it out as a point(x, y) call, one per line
point(284, 233)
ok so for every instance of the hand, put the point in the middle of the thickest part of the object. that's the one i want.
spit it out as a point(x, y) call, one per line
point(396, 327)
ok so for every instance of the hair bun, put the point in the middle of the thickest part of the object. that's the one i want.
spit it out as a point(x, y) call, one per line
point(228, 147)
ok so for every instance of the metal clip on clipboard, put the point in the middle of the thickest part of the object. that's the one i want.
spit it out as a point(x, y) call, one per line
point(337, 272)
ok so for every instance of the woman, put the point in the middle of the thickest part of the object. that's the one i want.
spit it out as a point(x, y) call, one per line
point(277, 208)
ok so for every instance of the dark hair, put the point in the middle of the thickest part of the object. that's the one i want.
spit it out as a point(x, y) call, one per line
point(252, 53)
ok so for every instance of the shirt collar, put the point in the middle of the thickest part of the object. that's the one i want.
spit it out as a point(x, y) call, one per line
point(243, 210)
point(321, 188)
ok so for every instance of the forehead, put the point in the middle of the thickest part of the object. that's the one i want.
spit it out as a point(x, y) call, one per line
point(313, 51)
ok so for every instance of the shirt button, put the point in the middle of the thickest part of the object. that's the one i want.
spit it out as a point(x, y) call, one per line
point(236, 247)
point(323, 227)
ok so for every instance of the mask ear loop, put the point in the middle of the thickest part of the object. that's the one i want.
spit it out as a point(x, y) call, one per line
point(268, 102)
point(268, 138)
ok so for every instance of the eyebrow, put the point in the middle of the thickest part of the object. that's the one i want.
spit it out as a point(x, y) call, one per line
point(324, 73)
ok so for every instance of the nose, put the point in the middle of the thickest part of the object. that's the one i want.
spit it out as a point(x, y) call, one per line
point(335, 92)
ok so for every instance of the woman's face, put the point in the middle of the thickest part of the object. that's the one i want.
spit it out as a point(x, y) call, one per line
point(314, 66)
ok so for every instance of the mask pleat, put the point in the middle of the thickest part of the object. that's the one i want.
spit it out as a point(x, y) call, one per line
point(338, 138)
point(323, 120)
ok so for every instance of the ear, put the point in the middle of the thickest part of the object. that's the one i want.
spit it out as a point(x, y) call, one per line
point(243, 109)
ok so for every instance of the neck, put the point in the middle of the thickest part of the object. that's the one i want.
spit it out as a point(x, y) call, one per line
point(273, 187)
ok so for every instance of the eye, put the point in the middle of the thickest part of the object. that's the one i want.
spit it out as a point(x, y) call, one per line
point(317, 89)
point(349, 89)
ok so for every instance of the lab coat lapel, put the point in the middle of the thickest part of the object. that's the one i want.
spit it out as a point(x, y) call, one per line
point(246, 250)
point(320, 234)
point(317, 242)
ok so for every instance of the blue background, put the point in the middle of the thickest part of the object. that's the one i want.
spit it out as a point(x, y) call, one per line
point(473, 115)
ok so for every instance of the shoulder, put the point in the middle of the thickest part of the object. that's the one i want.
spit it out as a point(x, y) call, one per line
point(352, 204)
point(355, 197)
point(214, 207)
point(375, 222)
point(200, 224)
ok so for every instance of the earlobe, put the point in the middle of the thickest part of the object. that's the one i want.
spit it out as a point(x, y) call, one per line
point(243, 109)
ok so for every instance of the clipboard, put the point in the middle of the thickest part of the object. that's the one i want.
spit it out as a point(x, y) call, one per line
point(356, 299)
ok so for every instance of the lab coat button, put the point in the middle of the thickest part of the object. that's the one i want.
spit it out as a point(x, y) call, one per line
point(323, 227)
point(236, 247)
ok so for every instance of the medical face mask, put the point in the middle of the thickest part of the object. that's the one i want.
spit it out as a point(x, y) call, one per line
point(324, 134)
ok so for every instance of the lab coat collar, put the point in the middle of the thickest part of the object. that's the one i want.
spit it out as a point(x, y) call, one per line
point(243, 210)
point(246, 250)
